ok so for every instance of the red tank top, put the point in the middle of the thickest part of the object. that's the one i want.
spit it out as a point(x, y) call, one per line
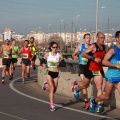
point(26, 53)
point(93, 66)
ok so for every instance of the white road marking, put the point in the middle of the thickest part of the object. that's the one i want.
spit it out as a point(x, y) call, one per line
point(12, 116)
point(46, 102)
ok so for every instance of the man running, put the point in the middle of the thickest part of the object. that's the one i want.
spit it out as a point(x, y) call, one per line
point(94, 54)
point(26, 59)
point(34, 49)
point(112, 61)
point(6, 58)
point(14, 58)
point(83, 63)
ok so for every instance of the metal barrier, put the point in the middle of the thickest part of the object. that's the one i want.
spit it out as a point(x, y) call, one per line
point(71, 65)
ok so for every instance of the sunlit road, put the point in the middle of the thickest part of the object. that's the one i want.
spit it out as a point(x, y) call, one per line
point(29, 102)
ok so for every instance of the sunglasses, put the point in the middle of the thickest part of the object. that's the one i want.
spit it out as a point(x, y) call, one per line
point(55, 47)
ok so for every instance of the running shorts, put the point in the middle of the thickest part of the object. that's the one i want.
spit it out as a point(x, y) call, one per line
point(6, 62)
point(14, 60)
point(27, 62)
point(52, 74)
point(34, 58)
point(89, 74)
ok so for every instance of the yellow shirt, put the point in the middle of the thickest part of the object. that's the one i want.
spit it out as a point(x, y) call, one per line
point(33, 48)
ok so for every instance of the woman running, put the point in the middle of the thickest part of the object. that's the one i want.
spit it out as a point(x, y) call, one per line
point(51, 61)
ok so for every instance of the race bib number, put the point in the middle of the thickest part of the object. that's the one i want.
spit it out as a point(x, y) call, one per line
point(52, 64)
point(84, 61)
point(6, 55)
point(25, 56)
point(96, 72)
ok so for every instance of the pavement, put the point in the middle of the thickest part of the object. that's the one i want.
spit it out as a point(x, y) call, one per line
point(29, 102)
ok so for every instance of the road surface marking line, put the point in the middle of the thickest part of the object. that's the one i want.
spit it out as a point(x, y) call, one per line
point(43, 101)
point(12, 116)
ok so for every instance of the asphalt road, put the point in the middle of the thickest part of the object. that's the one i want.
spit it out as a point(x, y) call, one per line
point(29, 102)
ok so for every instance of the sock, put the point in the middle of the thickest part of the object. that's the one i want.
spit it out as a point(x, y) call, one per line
point(3, 78)
point(86, 101)
point(46, 85)
point(51, 104)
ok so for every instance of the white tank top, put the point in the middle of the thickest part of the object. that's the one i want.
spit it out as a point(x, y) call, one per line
point(52, 60)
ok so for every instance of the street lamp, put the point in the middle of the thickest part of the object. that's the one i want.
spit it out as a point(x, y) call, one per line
point(85, 30)
point(103, 7)
point(49, 27)
point(96, 16)
point(76, 26)
point(40, 29)
point(60, 31)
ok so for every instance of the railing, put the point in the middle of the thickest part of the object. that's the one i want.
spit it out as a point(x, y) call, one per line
point(71, 65)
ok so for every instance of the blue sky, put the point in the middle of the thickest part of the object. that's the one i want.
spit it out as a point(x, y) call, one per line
point(23, 16)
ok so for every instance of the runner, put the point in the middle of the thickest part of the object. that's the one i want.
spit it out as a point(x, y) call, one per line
point(26, 59)
point(6, 58)
point(52, 59)
point(34, 49)
point(83, 63)
point(112, 61)
point(95, 54)
point(14, 58)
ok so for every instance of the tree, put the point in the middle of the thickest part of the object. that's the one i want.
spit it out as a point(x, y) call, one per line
point(57, 39)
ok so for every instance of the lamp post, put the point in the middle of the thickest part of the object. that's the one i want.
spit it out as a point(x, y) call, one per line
point(39, 28)
point(60, 32)
point(103, 7)
point(76, 26)
point(96, 16)
point(49, 27)
point(65, 37)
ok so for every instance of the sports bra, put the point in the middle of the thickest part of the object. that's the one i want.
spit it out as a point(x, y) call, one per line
point(53, 60)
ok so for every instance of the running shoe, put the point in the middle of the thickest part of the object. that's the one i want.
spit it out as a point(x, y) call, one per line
point(3, 81)
point(75, 83)
point(100, 108)
point(23, 81)
point(76, 92)
point(52, 108)
point(44, 86)
point(11, 77)
point(28, 75)
point(92, 105)
point(87, 105)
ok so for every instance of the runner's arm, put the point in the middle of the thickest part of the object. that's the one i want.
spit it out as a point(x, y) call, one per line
point(32, 52)
point(36, 47)
point(91, 49)
point(1, 51)
point(107, 57)
point(20, 51)
point(44, 61)
point(62, 61)
point(74, 54)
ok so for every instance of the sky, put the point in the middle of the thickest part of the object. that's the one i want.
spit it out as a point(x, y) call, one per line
point(23, 16)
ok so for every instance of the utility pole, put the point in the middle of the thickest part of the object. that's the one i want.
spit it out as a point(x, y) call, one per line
point(71, 36)
point(103, 7)
point(65, 37)
point(60, 32)
point(108, 25)
point(96, 16)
